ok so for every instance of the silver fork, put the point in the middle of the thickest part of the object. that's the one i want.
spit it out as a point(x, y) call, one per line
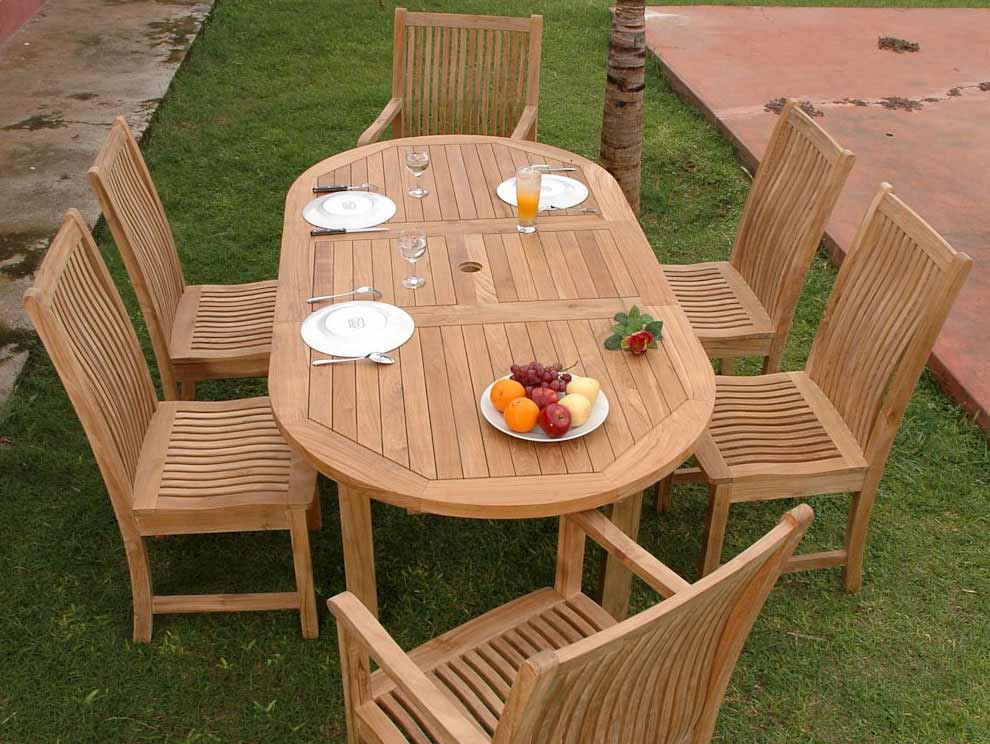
point(579, 210)
point(360, 290)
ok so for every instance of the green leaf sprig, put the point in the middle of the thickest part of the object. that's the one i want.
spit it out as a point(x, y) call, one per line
point(626, 324)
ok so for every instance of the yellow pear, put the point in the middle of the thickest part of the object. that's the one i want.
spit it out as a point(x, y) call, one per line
point(586, 386)
point(579, 407)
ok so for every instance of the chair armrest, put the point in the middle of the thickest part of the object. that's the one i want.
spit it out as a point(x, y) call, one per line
point(388, 114)
point(355, 622)
point(526, 124)
point(633, 556)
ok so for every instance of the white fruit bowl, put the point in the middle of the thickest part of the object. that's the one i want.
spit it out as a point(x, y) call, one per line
point(599, 412)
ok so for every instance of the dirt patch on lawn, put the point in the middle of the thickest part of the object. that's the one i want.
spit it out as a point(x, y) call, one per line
point(20, 253)
point(900, 46)
point(776, 105)
point(14, 341)
point(38, 121)
point(175, 33)
point(899, 103)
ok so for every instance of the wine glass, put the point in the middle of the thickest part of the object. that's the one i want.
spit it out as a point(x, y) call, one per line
point(412, 247)
point(417, 161)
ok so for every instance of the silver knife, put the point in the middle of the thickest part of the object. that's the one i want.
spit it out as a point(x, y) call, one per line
point(334, 188)
point(316, 232)
point(556, 168)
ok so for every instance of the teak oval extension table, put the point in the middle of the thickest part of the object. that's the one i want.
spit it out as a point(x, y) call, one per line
point(411, 434)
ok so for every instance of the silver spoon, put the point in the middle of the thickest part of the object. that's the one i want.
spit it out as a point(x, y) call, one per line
point(378, 357)
point(360, 290)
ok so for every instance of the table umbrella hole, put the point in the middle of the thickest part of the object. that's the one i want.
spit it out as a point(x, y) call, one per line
point(470, 267)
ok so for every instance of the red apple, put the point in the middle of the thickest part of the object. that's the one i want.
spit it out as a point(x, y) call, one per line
point(555, 420)
point(543, 397)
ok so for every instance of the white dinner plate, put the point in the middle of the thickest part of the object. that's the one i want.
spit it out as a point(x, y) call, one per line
point(555, 191)
point(599, 412)
point(357, 328)
point(349, 209)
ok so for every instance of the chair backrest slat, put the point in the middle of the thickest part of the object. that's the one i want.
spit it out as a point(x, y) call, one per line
point(464, 74)
point(795, 189)
point(893, 293)
point(141, 230)
point(658, 676)
point(81, 319)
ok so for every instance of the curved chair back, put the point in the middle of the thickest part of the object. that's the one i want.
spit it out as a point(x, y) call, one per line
point(893, 293)
point(658, 676)
point(78, 313)
point(464, 74)
point(140, 228)
point(795, 189)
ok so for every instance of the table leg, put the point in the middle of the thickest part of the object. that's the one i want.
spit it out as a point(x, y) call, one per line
point(359, 552)
point(616, 579)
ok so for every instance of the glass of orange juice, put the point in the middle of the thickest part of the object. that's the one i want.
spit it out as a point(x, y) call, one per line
point(527, 198)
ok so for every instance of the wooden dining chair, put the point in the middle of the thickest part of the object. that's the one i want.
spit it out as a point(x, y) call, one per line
point(829, 429)
point(462, 74)
point(171, 468)
point(198, 332)
point(745, 306)
point(554, 668)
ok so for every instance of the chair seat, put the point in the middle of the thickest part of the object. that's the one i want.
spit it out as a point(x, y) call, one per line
point(224, 330)
point(721, 307)
point(224, 457)
point(777, 434)
point(476, 662)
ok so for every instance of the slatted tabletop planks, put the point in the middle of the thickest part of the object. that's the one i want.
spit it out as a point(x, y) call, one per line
point(411, 434)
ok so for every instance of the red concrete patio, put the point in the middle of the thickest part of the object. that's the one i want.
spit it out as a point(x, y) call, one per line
point(920, 120)
point(13, 13)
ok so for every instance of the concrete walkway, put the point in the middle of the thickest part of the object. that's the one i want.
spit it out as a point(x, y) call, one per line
point(918, 119)
point(64, 76)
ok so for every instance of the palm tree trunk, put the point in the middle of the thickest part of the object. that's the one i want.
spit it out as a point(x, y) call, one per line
point(622, 121)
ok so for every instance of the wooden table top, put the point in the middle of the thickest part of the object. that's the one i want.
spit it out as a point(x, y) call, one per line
point(411, 434)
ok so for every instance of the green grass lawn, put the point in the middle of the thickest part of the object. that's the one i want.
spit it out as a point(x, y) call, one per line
point(271, 87)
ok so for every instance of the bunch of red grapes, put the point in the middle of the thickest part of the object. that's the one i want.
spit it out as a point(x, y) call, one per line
point(535, 375)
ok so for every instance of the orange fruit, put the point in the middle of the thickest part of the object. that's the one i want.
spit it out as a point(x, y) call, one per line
point(521, 414)
point(504, 392)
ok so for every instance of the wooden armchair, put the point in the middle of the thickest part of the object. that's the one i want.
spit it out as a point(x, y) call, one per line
point(205, 332)
point(745, 306)
point(829, 429)
point(462, 74)
point(554, 668)
point(175, 467)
